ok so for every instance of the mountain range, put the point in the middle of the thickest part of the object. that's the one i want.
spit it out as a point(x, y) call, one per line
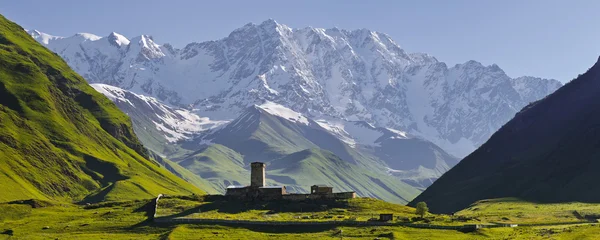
point(358, 75)
point(316, 96)
point(547, 153)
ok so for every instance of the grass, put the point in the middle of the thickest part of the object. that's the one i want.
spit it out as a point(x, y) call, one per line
point(216, 232)
point(43, 219)
point(215, 207)
point(218, 165)
point(511, 210)
point(118, 220)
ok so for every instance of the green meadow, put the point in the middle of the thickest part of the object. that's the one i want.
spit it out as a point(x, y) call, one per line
point(130, 220)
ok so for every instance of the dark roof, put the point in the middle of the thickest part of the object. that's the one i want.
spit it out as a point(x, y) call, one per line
point(272, 187)
point(321, 185)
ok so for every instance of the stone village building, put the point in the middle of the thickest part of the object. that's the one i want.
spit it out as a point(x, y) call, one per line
point(258, 190)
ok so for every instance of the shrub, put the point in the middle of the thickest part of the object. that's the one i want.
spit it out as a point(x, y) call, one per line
point(422, 209)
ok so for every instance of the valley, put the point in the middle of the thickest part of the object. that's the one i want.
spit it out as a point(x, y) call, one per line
point(279, 132)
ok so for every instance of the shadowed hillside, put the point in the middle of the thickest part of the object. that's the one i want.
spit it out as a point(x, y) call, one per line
point(548, 152)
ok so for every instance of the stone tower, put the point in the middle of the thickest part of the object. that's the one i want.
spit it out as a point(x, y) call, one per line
point(257, 176)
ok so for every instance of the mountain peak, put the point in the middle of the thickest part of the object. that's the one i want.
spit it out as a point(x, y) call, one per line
point(423, 58)
point(145, 45)
point(42, 37)
point(87, 36)
point(269, 22)
point(118, 39)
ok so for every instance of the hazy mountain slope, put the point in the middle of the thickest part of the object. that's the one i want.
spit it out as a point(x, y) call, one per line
point(218, 164)
point(357, 75)
point(547, 153)
point(298, 171)
point(270, 131)
point(373, 158)
point(61, 139)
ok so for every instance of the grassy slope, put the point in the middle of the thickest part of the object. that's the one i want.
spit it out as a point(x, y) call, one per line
point(298, 171)
point(61, 139)
point(215, 163)
point(317, 166)
point(511, 210)
point(369, 233)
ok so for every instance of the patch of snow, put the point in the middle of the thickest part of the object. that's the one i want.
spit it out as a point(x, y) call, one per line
point(176, 124)
point(283, 112)
point(113, 93)
point(337, 129)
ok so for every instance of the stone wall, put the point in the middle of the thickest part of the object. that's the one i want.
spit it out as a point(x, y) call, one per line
point(295, 197)
point(344, 195)
point(301, 197)
point(271, 193)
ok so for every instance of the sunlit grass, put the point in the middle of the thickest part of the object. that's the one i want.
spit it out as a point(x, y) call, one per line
point(510, 210)
point(128, 220)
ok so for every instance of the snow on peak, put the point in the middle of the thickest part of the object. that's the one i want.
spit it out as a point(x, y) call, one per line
point(283, 112)
point(42, 37)
point(118, 39)
point(146, 46)
point(422, 58)
point(88, 36)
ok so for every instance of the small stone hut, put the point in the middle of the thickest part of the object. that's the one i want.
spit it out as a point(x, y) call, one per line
point(321, 189)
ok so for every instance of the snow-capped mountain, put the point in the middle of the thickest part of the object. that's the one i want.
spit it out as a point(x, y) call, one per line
point(157, 124)
point(357, 75)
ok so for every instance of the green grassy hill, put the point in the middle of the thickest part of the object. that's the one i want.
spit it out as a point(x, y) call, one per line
point(513, 210)
point(61, 139)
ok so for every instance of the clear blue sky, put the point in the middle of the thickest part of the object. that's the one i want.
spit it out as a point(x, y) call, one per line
point(545, 38)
